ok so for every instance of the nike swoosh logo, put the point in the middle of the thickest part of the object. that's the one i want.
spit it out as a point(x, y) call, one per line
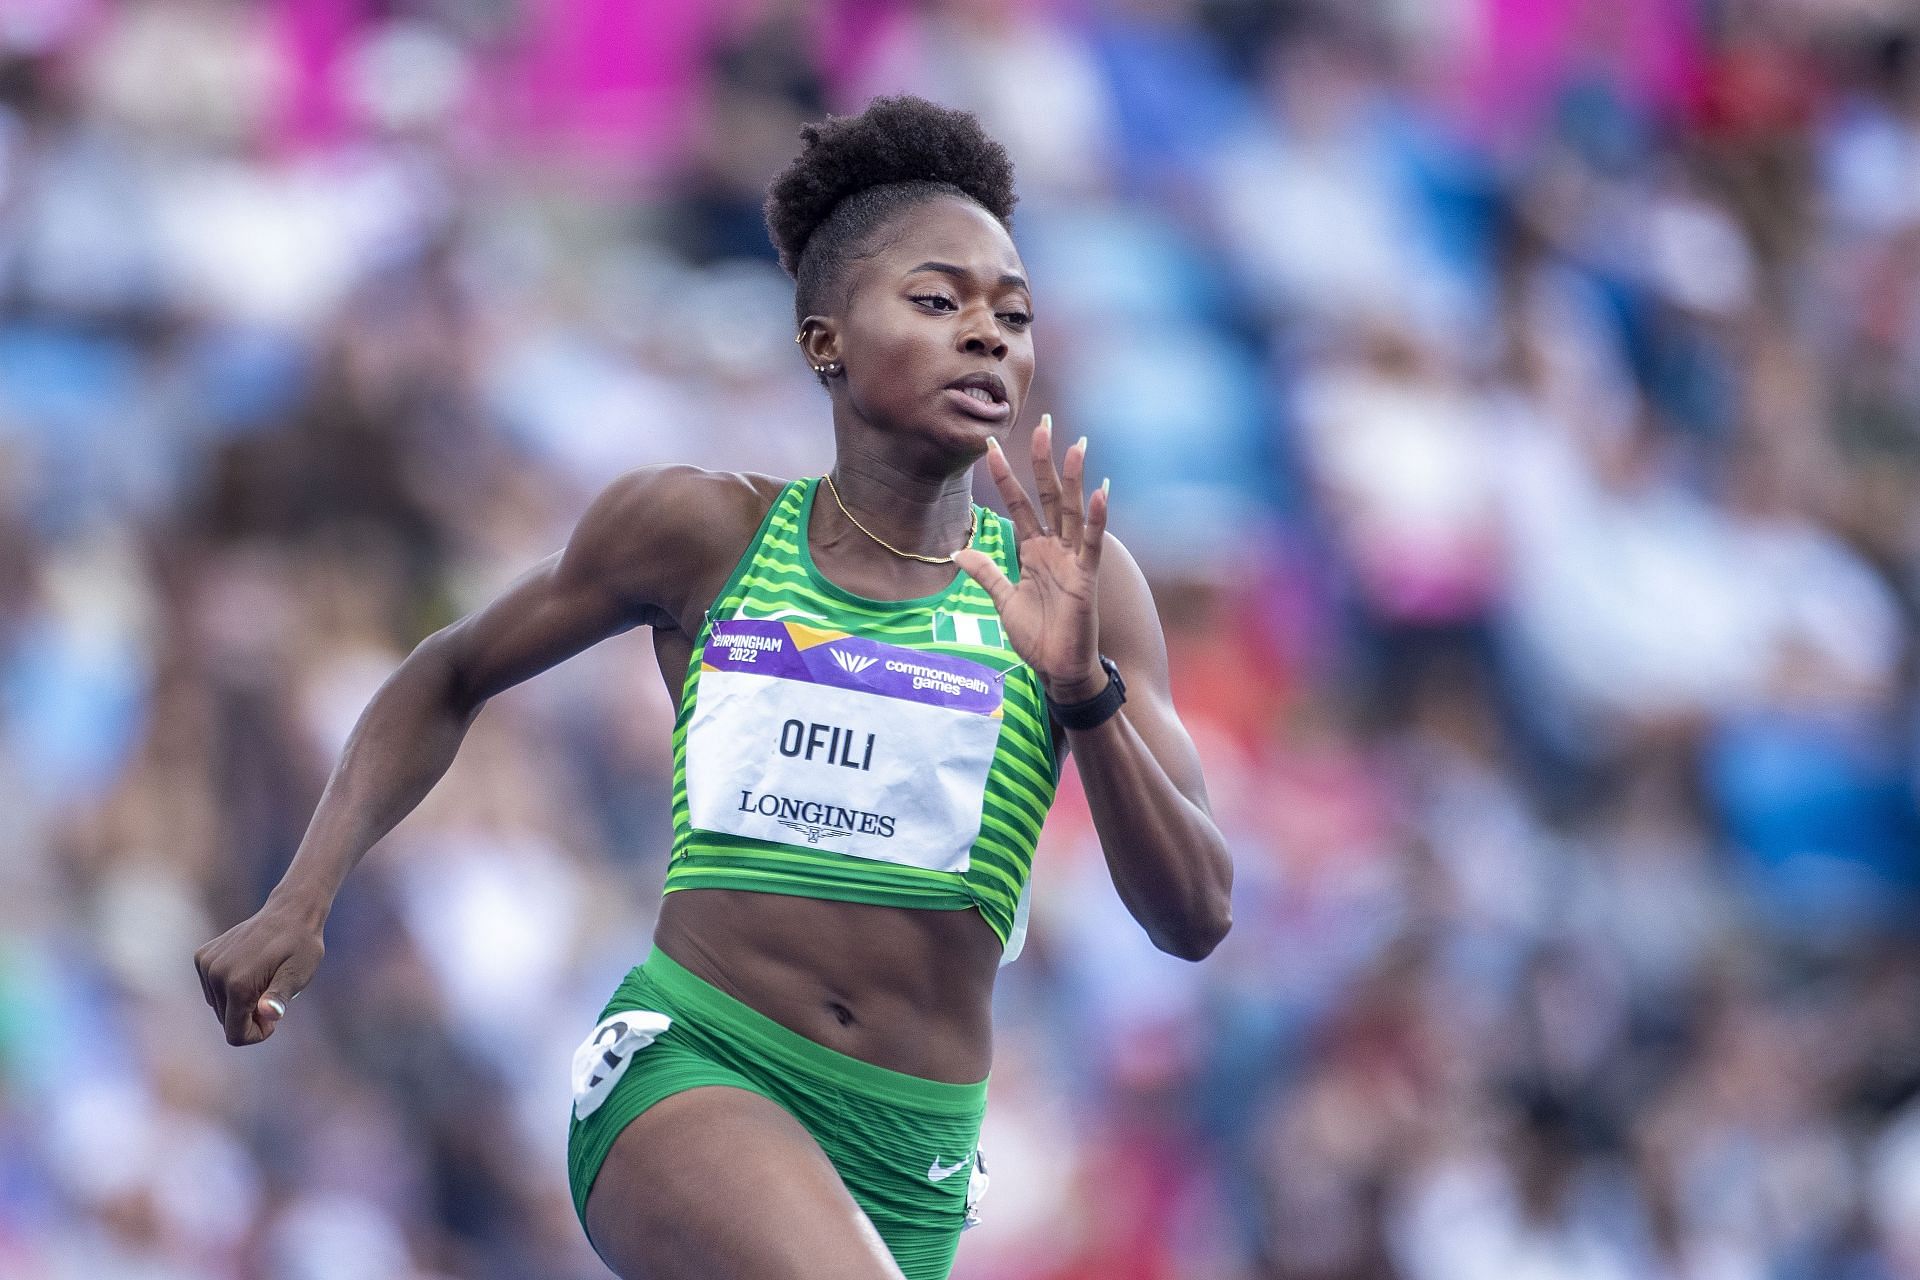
point(937, 1174)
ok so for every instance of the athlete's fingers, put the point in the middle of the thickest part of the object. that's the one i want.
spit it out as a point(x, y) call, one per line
point(267, 1012)
point(1072, 501)
point(272, 1005)
point(215, 989)
point(206, 986)
point(1096, 533)
point(237, 1018)
point(1045, 478)
point(1026, 522)
point(979, 566)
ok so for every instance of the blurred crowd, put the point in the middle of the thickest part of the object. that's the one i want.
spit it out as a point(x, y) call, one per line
point(1515, 403)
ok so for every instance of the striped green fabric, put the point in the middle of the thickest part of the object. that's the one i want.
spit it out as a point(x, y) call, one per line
point(776, 575)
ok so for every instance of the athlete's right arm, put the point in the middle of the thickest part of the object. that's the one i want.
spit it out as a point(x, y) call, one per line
point(639, 542)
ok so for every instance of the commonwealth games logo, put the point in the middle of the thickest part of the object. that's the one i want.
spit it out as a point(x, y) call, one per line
point(851, 663)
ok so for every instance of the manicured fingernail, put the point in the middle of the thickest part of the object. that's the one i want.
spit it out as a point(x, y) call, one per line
point(1106, 484)
point(1046, 420)
point(279, 1009)
point(1081, 444)
point(993, 443)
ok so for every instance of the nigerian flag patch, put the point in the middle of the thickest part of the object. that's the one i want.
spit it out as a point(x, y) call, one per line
point(968, 628)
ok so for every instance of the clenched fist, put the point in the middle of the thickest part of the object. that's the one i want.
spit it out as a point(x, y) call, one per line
point(253, 971)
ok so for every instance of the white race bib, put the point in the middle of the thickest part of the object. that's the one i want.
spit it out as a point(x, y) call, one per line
point(603, 1057)
point(976, 1189)
point(832, 741)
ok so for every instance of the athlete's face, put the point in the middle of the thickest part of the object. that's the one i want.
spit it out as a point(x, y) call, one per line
point(943, 302)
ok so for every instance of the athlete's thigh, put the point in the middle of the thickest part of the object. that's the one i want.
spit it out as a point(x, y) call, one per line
point(717, 1183)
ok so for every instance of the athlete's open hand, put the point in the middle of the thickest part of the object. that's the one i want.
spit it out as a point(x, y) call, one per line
point(252, 972)
point(1050, 615)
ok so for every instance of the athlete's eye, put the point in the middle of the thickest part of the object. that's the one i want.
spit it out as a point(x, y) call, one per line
point(941, 303)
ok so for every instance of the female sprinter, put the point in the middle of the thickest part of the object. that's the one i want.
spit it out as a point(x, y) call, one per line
point(792, 1084)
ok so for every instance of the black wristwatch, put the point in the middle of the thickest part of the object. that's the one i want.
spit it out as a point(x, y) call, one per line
point(1098, 709)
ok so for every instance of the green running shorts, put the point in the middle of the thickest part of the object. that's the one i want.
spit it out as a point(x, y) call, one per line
point(907, 1148)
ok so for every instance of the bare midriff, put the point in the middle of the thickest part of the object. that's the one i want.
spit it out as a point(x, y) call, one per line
point(906, 989)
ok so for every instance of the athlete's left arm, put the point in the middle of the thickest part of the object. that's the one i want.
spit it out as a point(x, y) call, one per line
point(1143, 782)
point(1080, 594)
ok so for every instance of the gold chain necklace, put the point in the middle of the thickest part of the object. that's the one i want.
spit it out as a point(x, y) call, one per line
point(973, 514)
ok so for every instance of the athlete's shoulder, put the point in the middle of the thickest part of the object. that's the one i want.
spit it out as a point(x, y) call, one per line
point(684, 501)
point(658, 531)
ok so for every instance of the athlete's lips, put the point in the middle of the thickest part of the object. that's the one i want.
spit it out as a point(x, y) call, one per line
point(987, 381)
point(974, 407)
point(980, 395)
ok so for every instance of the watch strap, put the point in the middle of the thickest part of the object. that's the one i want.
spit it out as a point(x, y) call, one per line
point(1097, 710)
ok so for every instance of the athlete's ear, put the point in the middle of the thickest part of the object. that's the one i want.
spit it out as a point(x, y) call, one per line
point(819, 340)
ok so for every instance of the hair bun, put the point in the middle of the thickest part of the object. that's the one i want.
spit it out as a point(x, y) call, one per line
point(896, 139)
